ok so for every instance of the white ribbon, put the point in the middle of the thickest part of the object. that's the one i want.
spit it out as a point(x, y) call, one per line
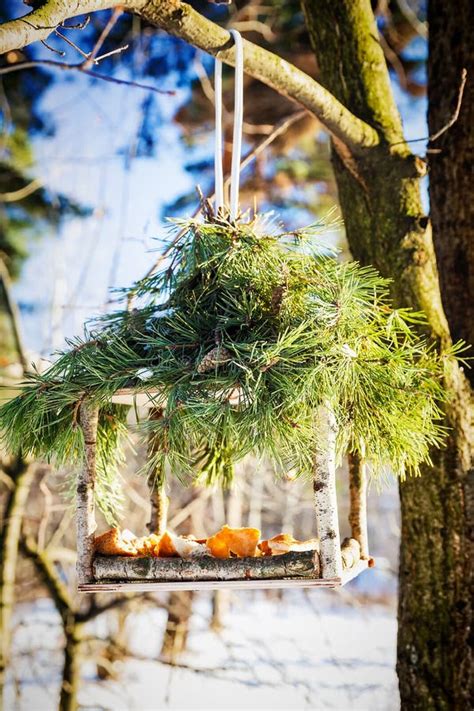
point(237, 133)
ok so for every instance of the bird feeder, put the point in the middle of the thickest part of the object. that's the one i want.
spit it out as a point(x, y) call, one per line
point(251, 339)
point(248, 342)
point(331, 566)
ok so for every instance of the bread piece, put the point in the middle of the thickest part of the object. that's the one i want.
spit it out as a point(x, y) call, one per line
point(116, 542)
point(240, 542)
point(284, 543)
point(149, 545)
point(173, 546)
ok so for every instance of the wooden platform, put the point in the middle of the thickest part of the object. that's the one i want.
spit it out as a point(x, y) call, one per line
point(209, 585)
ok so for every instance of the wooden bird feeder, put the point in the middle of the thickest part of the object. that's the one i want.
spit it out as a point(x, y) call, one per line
point(332, 566)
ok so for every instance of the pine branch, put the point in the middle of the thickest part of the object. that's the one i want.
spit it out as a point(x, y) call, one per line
point(244, 335)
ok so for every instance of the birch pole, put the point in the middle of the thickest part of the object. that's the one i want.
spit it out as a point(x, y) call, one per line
point(325, 499)
point(358, 502)
point(159, 501)
point(85, 515)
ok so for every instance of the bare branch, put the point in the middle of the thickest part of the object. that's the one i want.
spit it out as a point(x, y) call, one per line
point(455, 116)
point(79, 68)
point(181, 20)
point(411, 17)
point(102, 37)
point(451, 121)
point(47, 572)
point(38, 24)
point(71, 44)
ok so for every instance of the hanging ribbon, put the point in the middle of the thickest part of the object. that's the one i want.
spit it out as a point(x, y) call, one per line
point(237, 133)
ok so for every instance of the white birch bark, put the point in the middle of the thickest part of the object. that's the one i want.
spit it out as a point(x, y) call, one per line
point(325, 499)
point(85, 510)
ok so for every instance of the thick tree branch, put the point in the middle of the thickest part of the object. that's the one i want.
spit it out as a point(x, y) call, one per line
point(181, 20)
point(48, 574)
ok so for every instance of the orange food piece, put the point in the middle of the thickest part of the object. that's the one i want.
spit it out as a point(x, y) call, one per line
point(116, 542)
point(149, 545)
point(240, 542)
point(167, 547)
point(285, 542)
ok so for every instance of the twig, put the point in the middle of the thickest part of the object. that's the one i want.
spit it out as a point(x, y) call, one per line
point(79, 68)
point(457, 110)
point(454, 117)
point(117, 50)
point(102, 37)
point(96, 610)
point(71, 44)
point(392, 57)
point(52, 49)
point(411, 17)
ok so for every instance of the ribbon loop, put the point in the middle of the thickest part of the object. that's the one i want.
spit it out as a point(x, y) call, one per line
point(237, 132)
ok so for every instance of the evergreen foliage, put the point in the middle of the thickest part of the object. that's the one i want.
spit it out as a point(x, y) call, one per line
point(244, 334)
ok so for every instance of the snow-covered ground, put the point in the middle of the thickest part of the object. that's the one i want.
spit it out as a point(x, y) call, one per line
point(309, 650)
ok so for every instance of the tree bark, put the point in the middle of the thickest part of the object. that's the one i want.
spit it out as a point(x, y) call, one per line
point(295, 564)
point(358, 502)
point(325, 499)
point(386, 226)
point(159, 502)
point(451, 179)
point(22, 476)
point(85, 517)
point(70, 685)
point(175, 638)
point(72, 626)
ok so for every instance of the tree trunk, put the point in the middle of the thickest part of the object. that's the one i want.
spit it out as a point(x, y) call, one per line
point(386, 226)
point(180, 607)
point(22, 476)
point(452, 207)
point(70, 686)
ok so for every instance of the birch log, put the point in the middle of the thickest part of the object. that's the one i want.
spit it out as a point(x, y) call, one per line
point(85, 516)
point(158, 499)
point(303, 564)
point(325, 499)
point(358, 502)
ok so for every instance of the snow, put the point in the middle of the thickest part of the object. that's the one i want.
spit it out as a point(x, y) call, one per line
point(308, 650)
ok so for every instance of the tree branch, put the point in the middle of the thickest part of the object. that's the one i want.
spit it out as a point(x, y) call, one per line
point(63, 66)
point(48, 574)
point(14, 314)
point(181, 20)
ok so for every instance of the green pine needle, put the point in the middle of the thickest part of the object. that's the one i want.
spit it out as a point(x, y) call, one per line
point(297, 328)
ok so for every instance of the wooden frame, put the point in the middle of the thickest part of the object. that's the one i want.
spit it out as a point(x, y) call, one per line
point(305, 569)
